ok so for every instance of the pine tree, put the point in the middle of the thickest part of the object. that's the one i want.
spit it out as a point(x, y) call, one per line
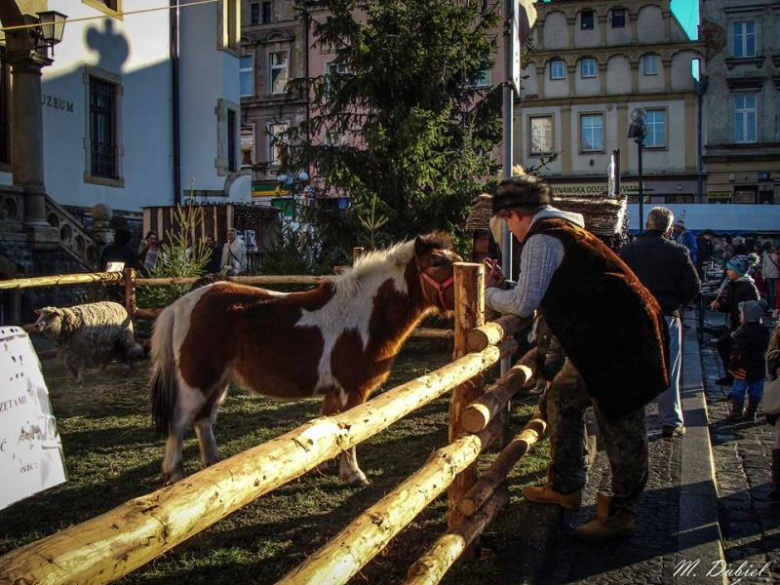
point(402, 125)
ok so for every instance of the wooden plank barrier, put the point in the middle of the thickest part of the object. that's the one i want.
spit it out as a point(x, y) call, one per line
point(344, 555)
point(250, 280)
point(448, 548)
point(494, 331)
point(469, 313)
point(480, 412)
point(111, 545)
point(62, 279)
point(483, 490)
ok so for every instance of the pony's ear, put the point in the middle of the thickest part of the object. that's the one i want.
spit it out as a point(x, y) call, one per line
point(420, 246)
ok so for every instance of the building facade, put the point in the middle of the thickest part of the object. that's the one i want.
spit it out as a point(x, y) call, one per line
point(128, 111)
point(273, 51)
point(742, 101)
point(590, 66)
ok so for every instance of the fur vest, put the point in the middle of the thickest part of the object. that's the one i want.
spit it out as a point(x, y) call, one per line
point(610, 325)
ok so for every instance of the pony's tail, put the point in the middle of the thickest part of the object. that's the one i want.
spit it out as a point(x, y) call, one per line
point(163, 382)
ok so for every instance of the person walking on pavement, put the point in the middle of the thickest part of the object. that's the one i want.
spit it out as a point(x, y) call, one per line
point(684, 237)
point(770, 271)
point(773, 369)
point(747, 364)
point(665, 268)
point(613, 334)
point(739, 287)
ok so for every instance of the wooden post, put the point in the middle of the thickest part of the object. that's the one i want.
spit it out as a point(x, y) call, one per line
point(130, 302)
point(357, 252)
point(469, 313)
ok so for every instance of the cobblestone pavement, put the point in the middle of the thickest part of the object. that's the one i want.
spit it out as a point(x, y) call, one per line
point(651, 555)
point(749, 520)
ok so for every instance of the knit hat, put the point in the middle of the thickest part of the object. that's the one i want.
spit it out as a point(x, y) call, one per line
point(524, 192)
point(679, 223)
point(752, 311)
point(739, 264)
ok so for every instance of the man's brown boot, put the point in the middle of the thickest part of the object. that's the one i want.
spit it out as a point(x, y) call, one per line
point(544, 494)
point(607, 525)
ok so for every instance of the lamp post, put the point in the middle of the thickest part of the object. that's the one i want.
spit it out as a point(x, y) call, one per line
point(638, 131)
point(50, 30)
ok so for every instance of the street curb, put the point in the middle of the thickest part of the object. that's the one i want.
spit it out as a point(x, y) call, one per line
point(699, 537)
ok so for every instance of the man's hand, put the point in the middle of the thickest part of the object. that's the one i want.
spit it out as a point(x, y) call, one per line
point(714, 305)
point(494, 277)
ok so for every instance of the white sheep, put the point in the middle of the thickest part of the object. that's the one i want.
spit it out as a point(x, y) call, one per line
point(88, 335)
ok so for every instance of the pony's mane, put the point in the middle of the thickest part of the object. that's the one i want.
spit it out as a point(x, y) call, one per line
point(388, 263)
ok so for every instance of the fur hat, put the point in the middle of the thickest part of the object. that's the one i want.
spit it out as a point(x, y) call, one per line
point(752, 311)
point(524, 192)
point(739, 264)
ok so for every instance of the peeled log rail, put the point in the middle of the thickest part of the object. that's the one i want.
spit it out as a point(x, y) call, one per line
point(344, 555)
point(121, 540)
point(430, 333)
point(484, 489)
point(57, 280)
point(434, 564)
point(480, 412)
point(494, 331)
point(250, 280)
point(150, 314)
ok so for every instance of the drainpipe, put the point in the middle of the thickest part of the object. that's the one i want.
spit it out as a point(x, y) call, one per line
point(176, 125)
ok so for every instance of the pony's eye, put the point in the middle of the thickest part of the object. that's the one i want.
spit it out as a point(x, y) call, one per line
point(437, 263)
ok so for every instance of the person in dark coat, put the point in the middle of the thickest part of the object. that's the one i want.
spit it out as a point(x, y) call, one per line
point(214, 254)
point(747, 363)
point(740, 287)
point(118, 251)
point(667, 270)
point(613, 334)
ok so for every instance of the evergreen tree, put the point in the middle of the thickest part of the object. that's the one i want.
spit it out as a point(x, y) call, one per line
point(402, 124)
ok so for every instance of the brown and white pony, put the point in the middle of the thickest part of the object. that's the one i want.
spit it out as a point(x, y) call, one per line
point(339, 341)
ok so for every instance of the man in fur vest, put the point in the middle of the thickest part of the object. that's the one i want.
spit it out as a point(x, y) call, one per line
point(613, 332)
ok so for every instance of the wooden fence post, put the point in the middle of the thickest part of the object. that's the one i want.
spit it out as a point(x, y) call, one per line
point(357, 252)
point(469, 313)
point(130, 302)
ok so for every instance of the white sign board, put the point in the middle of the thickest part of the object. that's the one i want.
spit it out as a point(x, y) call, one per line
point(31, 457)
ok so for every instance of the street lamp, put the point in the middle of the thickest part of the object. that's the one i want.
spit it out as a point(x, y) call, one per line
point(638, 131)
point(51, 29)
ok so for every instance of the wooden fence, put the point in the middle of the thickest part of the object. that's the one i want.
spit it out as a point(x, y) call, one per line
point(112, 545)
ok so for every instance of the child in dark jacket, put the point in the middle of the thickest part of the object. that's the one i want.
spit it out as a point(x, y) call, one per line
point(747, 363)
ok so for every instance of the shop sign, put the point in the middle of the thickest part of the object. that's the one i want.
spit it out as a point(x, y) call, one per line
point(590, 189)
point(744, 196)
point(765, 176)
point(719, 196)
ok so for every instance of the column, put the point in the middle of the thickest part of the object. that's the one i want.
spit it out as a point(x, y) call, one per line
point(567, 144)
point(570, 22)
point(603, 78)
point(667, 75)
point(540, 80)
point(27, 135)
point(634, 76)
point(602, 20)
point(571, 71)
point(632, 18)
point(622, 128)
point(667, 26)
point(690, 133)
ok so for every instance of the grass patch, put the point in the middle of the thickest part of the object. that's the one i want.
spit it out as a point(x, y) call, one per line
point(112, 455)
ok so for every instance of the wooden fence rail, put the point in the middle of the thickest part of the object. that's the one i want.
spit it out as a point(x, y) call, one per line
point(62, 279)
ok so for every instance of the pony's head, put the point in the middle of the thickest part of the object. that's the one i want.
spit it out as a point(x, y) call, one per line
point(435, 261)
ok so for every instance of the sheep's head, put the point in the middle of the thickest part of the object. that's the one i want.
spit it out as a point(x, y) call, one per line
point(50, 322)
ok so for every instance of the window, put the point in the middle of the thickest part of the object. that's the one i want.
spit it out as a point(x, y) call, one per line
point(557, 69)
point(650, 64)
point(102, 129)
point(586, 20)
point(592, 132)
point(277, 72)
point(541, 135)
point(484, 78)
point(656, 129)
point(745, 39)
point(254, 13)
point(275, 134)
point(246, 76)
point(588, 68)
point(266, 12)
point(231, 141)
point(247, 146)
point(618, 18)
point(110, 7)
point(332, 71)
point(745, 118)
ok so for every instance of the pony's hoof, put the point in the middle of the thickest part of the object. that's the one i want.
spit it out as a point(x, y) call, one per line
point(172, 478)
point(358, 479)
